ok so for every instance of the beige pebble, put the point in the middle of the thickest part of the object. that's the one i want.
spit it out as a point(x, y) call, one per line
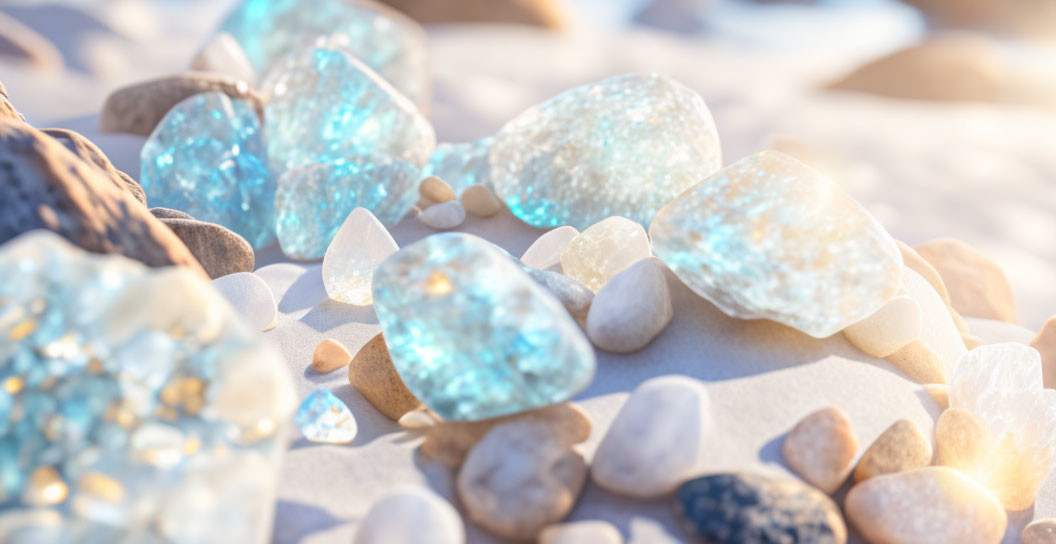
point(1045, 343)
point(443, 216)
point(962, 440)
point(420, 418)
point(329, 356)
point(581, 532)
point(545, 252)
point(821, 447)
point(436, 190)
point(903, 446)
point(940, 393)
point(1042, 531)
point(920, 363)
point(929, 504)
point(932, 358)
point(372, 373)
point(891, 328)
point(553, 14)
point(978, 286)
point(916, 263)
point(632, 309)
point(605, 249)
point(449, 441)
point(478, 200)
point(224, 55)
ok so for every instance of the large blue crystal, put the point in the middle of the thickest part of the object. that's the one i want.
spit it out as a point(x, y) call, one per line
point(384, 39)
point(473, 335)
point(461, 164)
point(206, 158)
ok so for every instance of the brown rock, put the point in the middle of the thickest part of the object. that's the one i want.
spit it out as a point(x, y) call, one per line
point(89, 153)
point(329, 356)
point(21, 42)
point(1042, 531)
point(544, 13)
point(372, 373)
point(7, 111)
point(1045, 343)
point(821, 447)
point(43, 185)
point(977, 286)
point(219, 250)
point(139, 108)
point(901, 447)
point(940, 393)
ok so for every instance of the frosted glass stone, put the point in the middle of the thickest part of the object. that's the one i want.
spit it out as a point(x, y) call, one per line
point(348, 266)
point(460, 164)
point(133, 401)
point(312, 203)
point(206, 158)
point(472, 334)
point(545, 251)
point(322, 417)
point(251, 297)
point(604, 250)
point(1001, 384)
point(325, 105)
point(389, 42)
point(624, 146)
point(769, 237)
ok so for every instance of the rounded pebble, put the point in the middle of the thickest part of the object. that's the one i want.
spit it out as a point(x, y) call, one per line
point(251, 297)
point(581, 532)
point(417, 419)
point(478, 200)
point(329, 356)
point(632, 309)
point(545, 252)
point(821, 447)
point(372, 373)
point(978, 287)
point(575, 296)
point(166, 213)
point(1042, 531)
point(405, 515)
point(603, 250)
point(888, 330)
point(446, 215)
point(436, 190)
point(220, 251)
point(903, 446)
point(932, 358)
point(962, 440)
point(940, 393)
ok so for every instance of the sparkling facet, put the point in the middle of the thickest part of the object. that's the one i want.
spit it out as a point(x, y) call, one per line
point(460, 165)
point(474, 336)
point(322, 417)
point(359, 246)
point(326, 105)
point(206, 158)
point(768, 237)
point(624, 146)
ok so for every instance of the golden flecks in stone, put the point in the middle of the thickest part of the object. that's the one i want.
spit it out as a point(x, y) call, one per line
point(22, 330)
point(14, 385)
point(45, 487)
point(438, 284)
point(191, 446)
point(102, 487)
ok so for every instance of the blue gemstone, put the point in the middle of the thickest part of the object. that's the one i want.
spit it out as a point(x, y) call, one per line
point(460, 165)
point(322, 417)
point(206, 158)
point(474, 336)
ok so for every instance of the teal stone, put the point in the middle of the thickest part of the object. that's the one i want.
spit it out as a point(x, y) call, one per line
point(460, 164)
point(326, 106)
point(389, 42)
point(322, 417)
point(472, 334)
point(207, 158)
point(623, 146)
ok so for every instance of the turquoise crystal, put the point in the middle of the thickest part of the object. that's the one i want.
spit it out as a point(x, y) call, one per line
point(206, 158)
point(322, 417)
point(384, 39)
point(623, 146)
point(313, 202)
point(474, 336)
point(326, 106)
point(461, 164)
point(133, 402)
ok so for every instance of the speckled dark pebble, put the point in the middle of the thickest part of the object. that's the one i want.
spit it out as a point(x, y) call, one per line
point(167, 213)
point(220, 251)
point(752, 508)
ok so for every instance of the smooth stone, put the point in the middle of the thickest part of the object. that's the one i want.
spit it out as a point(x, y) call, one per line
point(821, 448)
point(449, 441)
point(8, 111)
point(20, 43)
point(167, 213)
point(478, 200)
point(940, 393)
point(407, 515)
point(962, 441)
point(207, 158)
point(472, 334)
point(219, 250)
point(329, 356)
point(313, 203)
point(91, 154)
point(1041, 531)
point(519, 479)
point(372, 373)
point(552, 14)
point(891, 328)
point(359, 246)
point(734, 508)
point(912, 260)
point(580, 532)
point(446, 215)
point(604, 250)
point(575, 296)
point(308, 119)
point(45, 186)
point(251, 298)
point(417, 419)
point(978, 287)
point(932, 358)
point(1045, 343)
point(930, 504)
point(903, 446)
point(461, 165)
point(222, 54)
point(657, 440)
point(545, 251)
point(436, 190)
point(622, 146)
point(632, 309)
point(139, 108)
point(769, 237)
point(323, 417)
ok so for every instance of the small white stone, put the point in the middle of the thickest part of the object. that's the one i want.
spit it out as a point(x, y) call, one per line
point(657, 440)
point(348, 266)
point(224, 55)
point(446, 215)
point(478, 200)
point(603, 250)
point(888, 330)
point(417, 419)
point(545, 252)
point(251, 298)
point(407, 514)
point(633, 308)
point(581, 532)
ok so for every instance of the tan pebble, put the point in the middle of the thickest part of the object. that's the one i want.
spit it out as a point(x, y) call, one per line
point(940, 393)
point(552, 14)
point(581, 532)
point(962, 440)
point(420, 418)
point(329, 356)
point(916, 263)
point(436, 190)
point(978, 287)
point(821, 447)
point(480, 201)
point(938, 334)
point(903, 446)
point(449, 441)
point(891, 328)
point(1042, 531)
point(929, 504)
point(1045, 343)
point(920, 363)
point(372, 373)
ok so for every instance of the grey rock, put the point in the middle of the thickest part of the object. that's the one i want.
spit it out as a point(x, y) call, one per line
point(166, 213)
point(220, 251)
point(91, 154)
point(576, 297)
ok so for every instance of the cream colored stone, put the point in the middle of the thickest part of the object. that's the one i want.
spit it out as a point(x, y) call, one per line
point(977, 285)
point(603, 250)
point(329, 356)
point(357, 249)
point(436, 190)
point(224, 55)
point(940, 393)
point(821, 447)
point(903, 446)
point(888, 330)
point(632, 308)
point(1042, 531)
point(372, 373)
point(581, 532)
point(545, 252)
point(478, 200)
point(962, 441)
point(920, 363)
point(1045, 343)
point(916, 263)
point(420, 418)
point(405, 515)
point(932, 358)
point(443, 216)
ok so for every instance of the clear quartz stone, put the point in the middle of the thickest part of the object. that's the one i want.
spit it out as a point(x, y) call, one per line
point(348, 266)
point(322, 417)
point(604, 250)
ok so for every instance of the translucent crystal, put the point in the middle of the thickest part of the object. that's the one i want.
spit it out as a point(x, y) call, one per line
point(768, 237)
point(133, 402)
point(322, 417)
point(604, 250)
point(312, 203)
point(206, 158)
point(625, 146)
point(359, 246)
point(1001, 384)
point(460, 165)
point(387, 41)
point(472, 335)
point(326, 105)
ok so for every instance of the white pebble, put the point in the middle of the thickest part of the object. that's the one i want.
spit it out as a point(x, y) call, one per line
point(632, 309)
point(224, 55)
point(545, 252)
point(581, 532)
point(251, 297)
point(404, 516)
point(416, 419)
point(446, 215)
